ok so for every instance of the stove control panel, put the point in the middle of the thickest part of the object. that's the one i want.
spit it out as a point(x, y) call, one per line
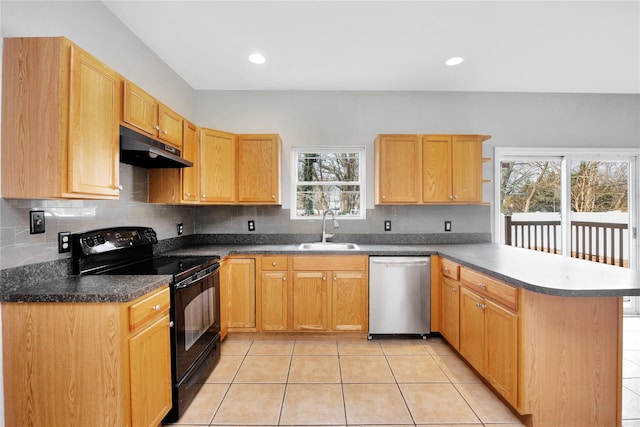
point(111, 239)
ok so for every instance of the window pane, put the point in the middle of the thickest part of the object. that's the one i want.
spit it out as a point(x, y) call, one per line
point(530, 204)
point(599, 211)
point(328, 167)
point(313, 200)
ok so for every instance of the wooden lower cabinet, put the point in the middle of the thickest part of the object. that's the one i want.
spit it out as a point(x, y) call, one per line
point(450, 322)
point(87, 364)
point(349, 301)
point(238, 278)
point(274, 293)
point(472, 329)
point(310, 301)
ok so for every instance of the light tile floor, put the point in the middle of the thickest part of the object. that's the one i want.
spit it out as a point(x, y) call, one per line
point(326, 382)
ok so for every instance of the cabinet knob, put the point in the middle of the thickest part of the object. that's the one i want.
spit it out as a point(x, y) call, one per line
point(171, 324)
point(156, 127)
point(335, 278)
point(446, 270)
point(188, 194)
point(274, 263)
point(324, 278)
point(273, 196)
point(450, 197)
point(156, 307)
point(481, 285)
point(455, 197)
point(453, 289)
point(203, 196)
point(165, 132)
point(384, 197)
point(284, 279)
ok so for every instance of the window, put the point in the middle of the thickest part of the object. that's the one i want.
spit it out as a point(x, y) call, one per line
point(578, 203)
point(328, 178)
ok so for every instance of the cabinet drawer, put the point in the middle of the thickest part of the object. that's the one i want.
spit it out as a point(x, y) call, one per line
point(148, 309)
point(491, 288)
point(329, 262)
point(450, 269)
point(274, 262)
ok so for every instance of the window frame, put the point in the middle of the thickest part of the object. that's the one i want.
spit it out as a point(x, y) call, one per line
point(362, 176)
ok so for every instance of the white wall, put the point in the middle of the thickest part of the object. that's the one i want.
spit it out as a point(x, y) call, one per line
point(355, 118)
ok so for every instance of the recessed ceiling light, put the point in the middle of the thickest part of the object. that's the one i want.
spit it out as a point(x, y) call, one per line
point(456, 60)
point(257, 58)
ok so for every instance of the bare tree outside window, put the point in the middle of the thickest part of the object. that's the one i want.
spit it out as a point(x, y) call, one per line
point(329, 180)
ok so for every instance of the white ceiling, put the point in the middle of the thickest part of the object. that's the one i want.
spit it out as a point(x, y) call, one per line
point(508, 46)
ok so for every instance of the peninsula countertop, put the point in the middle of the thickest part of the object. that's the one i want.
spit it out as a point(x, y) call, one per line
point(532, 270)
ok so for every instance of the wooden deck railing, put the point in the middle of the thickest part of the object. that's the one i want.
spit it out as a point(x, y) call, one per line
point(594, 241)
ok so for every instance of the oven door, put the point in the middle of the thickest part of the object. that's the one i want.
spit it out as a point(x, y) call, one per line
point(196, 318)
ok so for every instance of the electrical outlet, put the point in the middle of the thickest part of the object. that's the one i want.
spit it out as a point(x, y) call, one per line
point(64, 242)
point(387, 225)
point(447, 226)
point(252, 225)
point(36, 222)
point(180, 229)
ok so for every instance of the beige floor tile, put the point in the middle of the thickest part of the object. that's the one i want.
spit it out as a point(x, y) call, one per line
point(225, 369)
point(416, 369)
point(251, 404)
point(437, 403)
point(314, 369)
point(359, 348)
point(395, 347)
point(313, 404)
point(502, 425)
point(271, 348)
point(365, 369)
point(438, 346)
point(263, 369)
point(235, 347)
point(316, 348)
point(455, 425)
point(375, 404)
point(203, 407)
point(455, 369)
point(486, 405)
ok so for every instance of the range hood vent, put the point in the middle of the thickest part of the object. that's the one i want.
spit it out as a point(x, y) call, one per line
point(139, 150)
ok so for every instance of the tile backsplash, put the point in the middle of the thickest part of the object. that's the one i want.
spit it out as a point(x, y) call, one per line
point(18, 247)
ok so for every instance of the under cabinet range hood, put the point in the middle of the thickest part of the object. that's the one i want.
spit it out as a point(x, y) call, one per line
point(140, 150)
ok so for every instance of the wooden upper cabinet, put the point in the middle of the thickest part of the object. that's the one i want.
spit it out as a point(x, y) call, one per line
point(60, 110)
point(398, 169)
point(191, 152)
point(143, 112)
point(217, 166)
point(428, 169)
point(258, 169)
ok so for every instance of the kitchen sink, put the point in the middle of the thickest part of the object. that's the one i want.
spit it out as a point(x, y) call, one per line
point(329, 246)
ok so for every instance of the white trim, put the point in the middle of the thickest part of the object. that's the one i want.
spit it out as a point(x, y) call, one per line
point(329, 149)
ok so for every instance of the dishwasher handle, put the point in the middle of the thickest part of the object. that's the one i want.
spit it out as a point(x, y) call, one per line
point(401, 262)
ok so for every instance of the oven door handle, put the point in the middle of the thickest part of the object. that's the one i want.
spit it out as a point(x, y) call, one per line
point(197, 277)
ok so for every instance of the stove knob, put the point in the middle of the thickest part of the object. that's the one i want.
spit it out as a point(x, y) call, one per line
point(100, 239)
point(89, 242)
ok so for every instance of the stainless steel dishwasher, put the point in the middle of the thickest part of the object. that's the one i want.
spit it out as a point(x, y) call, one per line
point(399, 295)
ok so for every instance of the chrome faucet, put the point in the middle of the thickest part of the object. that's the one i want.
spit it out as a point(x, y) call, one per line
point(326, 236)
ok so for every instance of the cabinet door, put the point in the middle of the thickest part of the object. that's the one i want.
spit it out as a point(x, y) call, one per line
point(349, 305)
point(258, 169)
point(93, 150)
point(241, 292)
point(190, 152)
point(450, 324)
point(467, 168)
point(501, 333)
point(140, 109)
point(472, 331)
point(217, 166)
point(436, 162)
point(310, 302)
point(170, 124)
point(150, 370)
point(398, 169)
point(273, 306)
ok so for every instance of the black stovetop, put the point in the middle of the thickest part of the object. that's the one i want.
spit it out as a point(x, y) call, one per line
point(171, 265)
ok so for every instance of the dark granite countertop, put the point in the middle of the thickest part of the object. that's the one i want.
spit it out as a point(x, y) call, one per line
point(103, 289)
point(535, 271)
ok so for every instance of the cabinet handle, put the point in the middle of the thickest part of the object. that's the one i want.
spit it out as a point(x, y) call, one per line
point(481, 306)
point(156, 307)
point(157, 127)
point(165, 132)
point(273, 263)
point(203, 196)
point(284, 279)
point(384, 197)
point(454, 290)
point(188, 194)
point(335, 278)
point(455, 197)
point(171, 324)
point(450, 197)
point(324, 278)
point(273, 196)
point(481, 285)
point(446, 270)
